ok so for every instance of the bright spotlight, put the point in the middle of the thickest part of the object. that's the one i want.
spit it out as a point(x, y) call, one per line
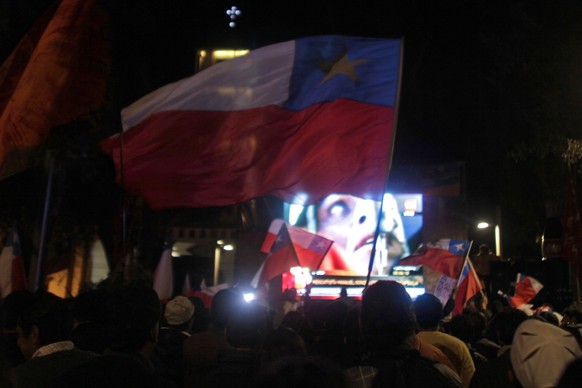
point(249, 297)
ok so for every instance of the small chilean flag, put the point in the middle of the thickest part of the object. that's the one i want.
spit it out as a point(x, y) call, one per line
point(289, 246)
point(310, 248)
point(445, 256)
point(468, 286)
point(526, 288)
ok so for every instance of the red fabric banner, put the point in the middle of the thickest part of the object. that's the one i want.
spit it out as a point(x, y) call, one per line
point(63, 79)
point(298, 120)
point(440, 260)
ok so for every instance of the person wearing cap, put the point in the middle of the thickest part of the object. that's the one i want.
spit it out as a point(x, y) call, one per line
point(541, 352)
point(202, 350)
point(168, 357)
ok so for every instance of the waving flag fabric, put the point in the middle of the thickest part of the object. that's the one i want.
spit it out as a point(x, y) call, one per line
point(12, 274)
point(272, 233)
point(445, 256)
point(469, 285)
point(526, 288)
point(281, 259)
point(164, 275)
point(56, 74)
point(298, 120)
point(309, 247)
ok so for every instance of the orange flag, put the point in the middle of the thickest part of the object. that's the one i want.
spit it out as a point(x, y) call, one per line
point(56, 74)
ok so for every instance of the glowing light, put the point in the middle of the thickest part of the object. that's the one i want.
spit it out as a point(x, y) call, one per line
point(233, 12)
point(228, 54)
point(249, 297)
point(228, 247)
point(301, 199)
point(294, 213)
point(482, 225)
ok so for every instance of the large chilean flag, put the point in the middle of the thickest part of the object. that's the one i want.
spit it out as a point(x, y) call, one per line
point(299, 120)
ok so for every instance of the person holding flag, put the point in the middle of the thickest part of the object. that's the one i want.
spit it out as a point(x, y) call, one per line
point(445, 257)
point(468, 286)
point(292, 247)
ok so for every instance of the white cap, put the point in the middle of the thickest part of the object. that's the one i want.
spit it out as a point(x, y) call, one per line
point(540, 353)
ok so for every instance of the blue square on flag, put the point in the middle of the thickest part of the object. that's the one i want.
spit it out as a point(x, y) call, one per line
point(459, 247)
point(327, 68)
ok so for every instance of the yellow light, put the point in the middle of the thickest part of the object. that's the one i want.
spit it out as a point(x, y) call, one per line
point(228, 54)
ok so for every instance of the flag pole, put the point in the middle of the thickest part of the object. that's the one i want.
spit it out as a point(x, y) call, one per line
point(472, 269)
point(124, 263)
point(388, 164)
point(43, 232)
point(465, 262)
point(376, 236)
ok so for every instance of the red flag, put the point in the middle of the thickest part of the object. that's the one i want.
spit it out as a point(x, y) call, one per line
point(526, 288)
point(310, 248)
point(445, 261)
point(469, 285)
point(64, 78)
point(572, 229)
point(12, 274)
point(281, 259)
point(298, 120)
point(14, 65)
point(271, 236)
point(164, 275)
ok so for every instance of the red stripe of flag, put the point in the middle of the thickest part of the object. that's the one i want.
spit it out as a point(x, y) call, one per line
point(469, 285)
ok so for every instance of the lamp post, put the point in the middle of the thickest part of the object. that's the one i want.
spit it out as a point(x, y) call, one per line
point(220, 245)
point(485, 225)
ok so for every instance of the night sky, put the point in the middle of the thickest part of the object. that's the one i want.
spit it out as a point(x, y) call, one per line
point(496, 84)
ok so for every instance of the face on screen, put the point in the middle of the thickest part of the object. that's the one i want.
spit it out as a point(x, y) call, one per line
point(351, 223)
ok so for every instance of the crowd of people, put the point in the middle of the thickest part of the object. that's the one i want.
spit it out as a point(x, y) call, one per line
point(123, 336)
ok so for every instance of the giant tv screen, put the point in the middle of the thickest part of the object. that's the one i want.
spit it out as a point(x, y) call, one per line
point(351, 222)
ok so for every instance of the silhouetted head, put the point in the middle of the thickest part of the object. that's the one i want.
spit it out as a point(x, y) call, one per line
point(386, 315)
point(134, 315)
point(304, 372)
point(429, 311)
point(44, 321)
